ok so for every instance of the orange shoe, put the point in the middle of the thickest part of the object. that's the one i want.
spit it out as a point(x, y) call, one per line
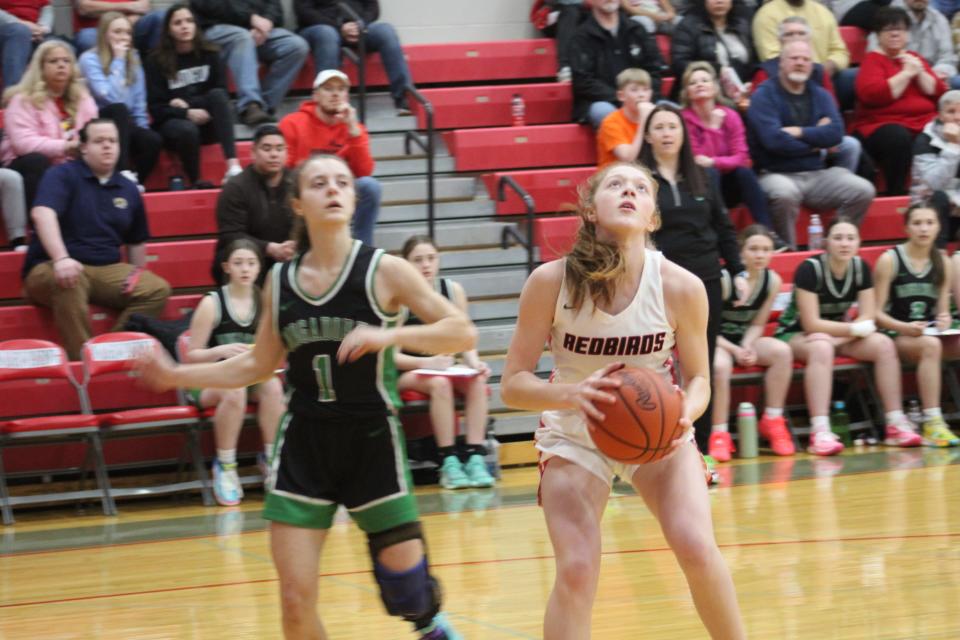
point(720, 446)
point(775, 430)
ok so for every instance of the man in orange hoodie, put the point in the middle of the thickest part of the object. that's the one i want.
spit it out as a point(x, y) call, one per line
point(328, 124)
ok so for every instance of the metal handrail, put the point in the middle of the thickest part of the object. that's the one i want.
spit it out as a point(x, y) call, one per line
point(359, 58)
point(428, 148)
point(510, 232)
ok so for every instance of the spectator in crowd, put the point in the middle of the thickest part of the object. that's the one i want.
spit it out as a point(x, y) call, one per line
point(605, 44)
point(792, 123)
point(713, 32)
point(147, 23)
point(931, 38)
point(912, 284)
point(815, 326)
point(695, 231)
point(856, 13)
point(559, 19)
point(115, 77)
point(83, 213)
point(44, 113)
point(828, 47)
point(327, 28)
point(13, 206)
point(620, 137)
point(897, 94)
point(948, 8)
point(23, 25)
point(246, 32)
point(719, 143)
point(255, 204)
point(467, 467)
point(656, 16)
point(223, 326)
point(936, 167)
point(187, 95)
point(328, 124)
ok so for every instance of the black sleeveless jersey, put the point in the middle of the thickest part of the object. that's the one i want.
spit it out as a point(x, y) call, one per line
point(913, 296)
point(312, 330)
point(443, 288)
point(734, 320)
point(228, 328)
point(835, 297)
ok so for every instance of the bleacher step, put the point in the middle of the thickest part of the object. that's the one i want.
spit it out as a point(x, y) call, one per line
point(448, 236)
point(479, 207)
point(414, 189)
point(478, 258)
point(412, 166)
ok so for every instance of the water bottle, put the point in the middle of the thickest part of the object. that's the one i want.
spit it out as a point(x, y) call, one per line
point(177, 184)
point(840, 422)
point(914, 413)
point(518, 110)
point(815, 233)
point(747, 430)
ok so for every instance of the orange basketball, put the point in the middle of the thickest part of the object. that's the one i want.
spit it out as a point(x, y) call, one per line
point(642, 423)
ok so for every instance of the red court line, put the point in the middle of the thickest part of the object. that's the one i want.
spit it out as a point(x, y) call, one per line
point(467, 563)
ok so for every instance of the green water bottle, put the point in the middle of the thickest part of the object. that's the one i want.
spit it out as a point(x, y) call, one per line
point(840, 422)
point(747, 430)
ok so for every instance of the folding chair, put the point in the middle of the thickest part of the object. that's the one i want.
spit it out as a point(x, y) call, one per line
point(115, 353)
point(35, 364)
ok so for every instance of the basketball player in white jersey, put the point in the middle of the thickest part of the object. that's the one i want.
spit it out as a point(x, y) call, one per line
point(612, 301)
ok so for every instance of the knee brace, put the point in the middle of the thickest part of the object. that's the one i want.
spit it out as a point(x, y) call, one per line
point(412, 594)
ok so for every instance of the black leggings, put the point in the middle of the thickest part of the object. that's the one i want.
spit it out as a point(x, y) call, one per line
point(703, 424)
point(184, 138)
point(862, 14)
point(142, 143)
point(891, 148)
point(32, 167)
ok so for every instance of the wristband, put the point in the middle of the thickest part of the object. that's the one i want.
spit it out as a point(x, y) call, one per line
point(862, 328)
point(60, 258)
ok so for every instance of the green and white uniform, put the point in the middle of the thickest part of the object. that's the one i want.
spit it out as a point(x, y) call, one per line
point(913, 296)
point(835, 296)
point(734, 320)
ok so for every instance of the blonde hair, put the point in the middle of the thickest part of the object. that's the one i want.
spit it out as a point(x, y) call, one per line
point(592, 265)
point(105, 52)
point(33, 87)
point(692, 68)
point(635, 76)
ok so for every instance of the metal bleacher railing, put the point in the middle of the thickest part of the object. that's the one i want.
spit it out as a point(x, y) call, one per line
point(510, 232)
point(359, 58)
point(428, 148)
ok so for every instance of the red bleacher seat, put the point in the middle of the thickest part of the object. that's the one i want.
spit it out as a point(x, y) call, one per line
point(516, 147)
point(212, 165)
point(856, 40)
point(489, 106)
point(663, 43)
point(551, 189)
point(182, 213)
point(185, 263)
point(554, 236)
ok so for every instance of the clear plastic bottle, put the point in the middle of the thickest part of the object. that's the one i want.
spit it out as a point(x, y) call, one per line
point(815, 233)
point(840, 422)
point(747, 430)
point(518, 110)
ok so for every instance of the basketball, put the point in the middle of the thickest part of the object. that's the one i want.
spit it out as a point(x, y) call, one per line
point(642, 423)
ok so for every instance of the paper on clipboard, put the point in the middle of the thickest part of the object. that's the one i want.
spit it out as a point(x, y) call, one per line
point(456, 371)
point(933, 331)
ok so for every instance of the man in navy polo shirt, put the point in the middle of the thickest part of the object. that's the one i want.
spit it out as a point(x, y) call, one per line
point(84, 211)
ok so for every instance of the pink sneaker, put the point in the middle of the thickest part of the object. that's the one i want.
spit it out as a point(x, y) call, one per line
point(902, 435)
point(720, 446)
point(775, 430)
point(825, 443)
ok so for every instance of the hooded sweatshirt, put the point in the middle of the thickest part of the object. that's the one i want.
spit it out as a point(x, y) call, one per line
point(306, 134)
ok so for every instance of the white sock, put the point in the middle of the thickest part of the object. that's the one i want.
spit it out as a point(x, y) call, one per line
point(268, 451)
point(227, 456)
point(820, 423)
point(894, 417)
point(931, 413)
point(723, 426)
point(770, 412)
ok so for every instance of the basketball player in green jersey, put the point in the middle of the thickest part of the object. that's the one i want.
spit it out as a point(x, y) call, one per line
point(333, 311)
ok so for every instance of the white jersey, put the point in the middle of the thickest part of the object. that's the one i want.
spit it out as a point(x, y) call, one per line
point(589, 339)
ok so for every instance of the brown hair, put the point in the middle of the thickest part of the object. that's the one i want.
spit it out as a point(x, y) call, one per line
point(593, 265)
point(105, 52)
point(299, 230)
point(243, 243)
point(413, 242)
point(936, 258)
point(753, 230)
point(634, 75)
point(693, 67)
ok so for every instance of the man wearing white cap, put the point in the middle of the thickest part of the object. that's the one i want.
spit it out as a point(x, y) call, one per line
point(328, 124)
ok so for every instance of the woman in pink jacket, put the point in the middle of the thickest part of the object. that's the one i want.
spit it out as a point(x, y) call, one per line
point(719, 143)
point(44, 114)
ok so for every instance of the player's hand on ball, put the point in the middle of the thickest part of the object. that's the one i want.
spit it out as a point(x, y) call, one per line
point(156, 370)
point(591, 390)
point(361, 341)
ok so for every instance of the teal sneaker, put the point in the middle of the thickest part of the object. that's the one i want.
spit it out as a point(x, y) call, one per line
point(477, 472)
point(440, 629)
point(452, 475)
point(226, 484)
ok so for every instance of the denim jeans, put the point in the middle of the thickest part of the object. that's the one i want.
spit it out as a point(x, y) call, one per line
point(285, 51)
point(146, 34)
point(368, 208)
point(15, 50)
point(847, 154)
point(599, 111)
point(326, 42)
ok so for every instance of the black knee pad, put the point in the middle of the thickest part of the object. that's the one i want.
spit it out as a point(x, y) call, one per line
point(413, 594)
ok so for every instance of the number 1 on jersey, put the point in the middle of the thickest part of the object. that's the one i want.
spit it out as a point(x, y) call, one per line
point(321, 367)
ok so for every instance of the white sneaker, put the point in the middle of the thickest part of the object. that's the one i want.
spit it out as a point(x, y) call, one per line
point(134, 178)
point(564, 75)
point(235, 170)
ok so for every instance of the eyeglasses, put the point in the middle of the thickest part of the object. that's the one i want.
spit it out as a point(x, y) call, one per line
point(795, 34)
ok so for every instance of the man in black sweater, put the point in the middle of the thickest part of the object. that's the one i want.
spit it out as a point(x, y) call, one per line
point(605, 44)
point(255, 204)
point(247, 32)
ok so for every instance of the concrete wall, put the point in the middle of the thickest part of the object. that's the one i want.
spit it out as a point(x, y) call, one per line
point(418, 21)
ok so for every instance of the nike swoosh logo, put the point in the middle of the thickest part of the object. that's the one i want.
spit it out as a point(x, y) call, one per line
point(568, 306)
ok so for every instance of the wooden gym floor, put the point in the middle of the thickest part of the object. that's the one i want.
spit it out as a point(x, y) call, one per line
point(866, 545)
